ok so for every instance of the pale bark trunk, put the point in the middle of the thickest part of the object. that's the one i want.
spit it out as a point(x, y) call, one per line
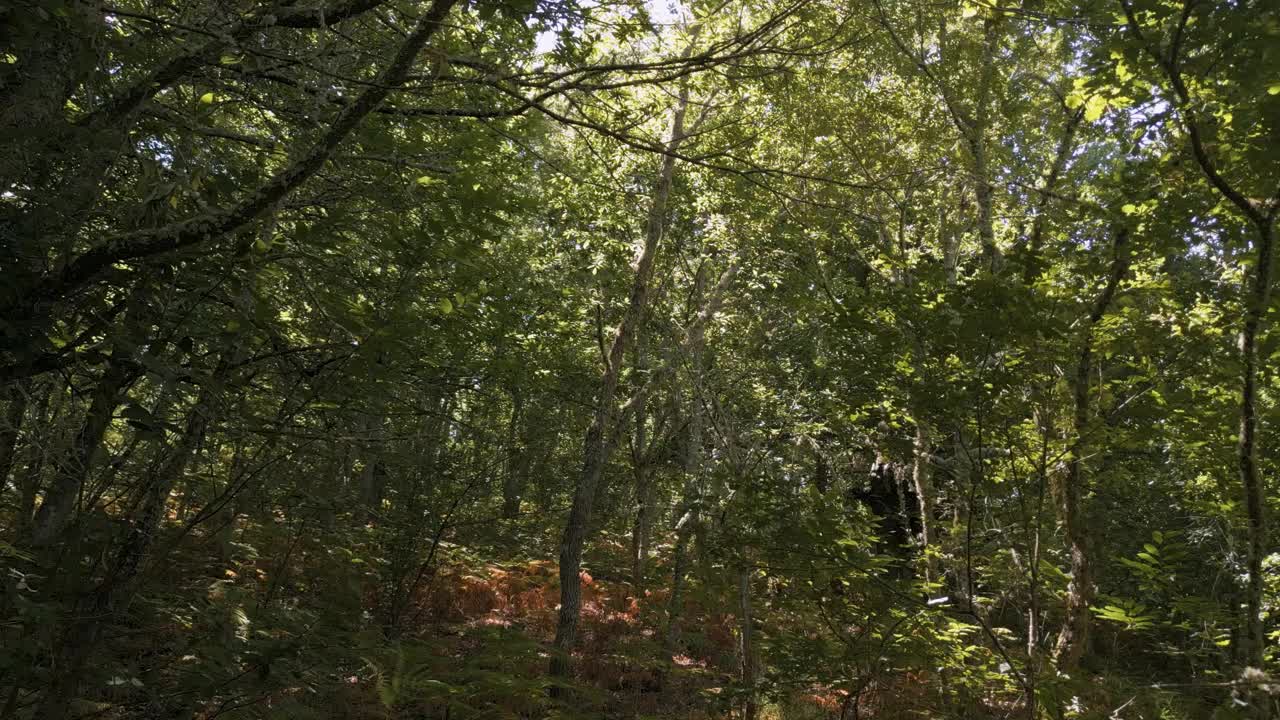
point(950, 242)
point(643, 489)
point(517, 459)
point(985, 192)
point(962, 475)
point(923, 484)
point(1073, 639)
point(679, 568)
point(974, 127)
point(595, 446)
point(372, 478)
point(1033, 584)
point(689, 515)
point(641, 530)
point(746, 649)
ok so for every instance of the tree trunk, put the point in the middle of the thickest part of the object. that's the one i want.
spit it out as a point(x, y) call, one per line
point(985, 191)
point(225, 534)
point(114, 592)
point(643, 485)
point(641, 529)
point(688, 518)
point(595, 448)
point(1073, 640)
point(1066, 144)
point(821, 469)
point(679, 568)
point(746, 649)
point(69, 475)
point(923, 484)
point(16, 397)
point(1250, 479)
point(1261, 216)
point(517, 459)
point(372, 478)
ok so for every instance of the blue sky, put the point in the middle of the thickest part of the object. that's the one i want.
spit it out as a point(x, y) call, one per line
point(662, 12)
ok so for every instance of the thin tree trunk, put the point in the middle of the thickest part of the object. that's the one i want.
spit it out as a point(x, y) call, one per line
point(974, 127)
point(405, 572)
point(1073, 639)
point(962, 478)
point(923, 484)
point(689, 515)
point(113, 593)
point(17, 396)
point(226, 522)
point(1262, 216)
point(60, 499)
point(821, 469)
point(640, 466)
point(36, 452)
point(679, 568)
point(1250, 479)
point(372, 479)
point(641, 529)
point(746, 649)
point(985, 191)
point(517, 459)
point(1033, 589)
point(948, 241)
point(1035, 243)
point(595, 446)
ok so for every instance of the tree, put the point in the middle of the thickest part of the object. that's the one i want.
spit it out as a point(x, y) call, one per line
point(747, 358)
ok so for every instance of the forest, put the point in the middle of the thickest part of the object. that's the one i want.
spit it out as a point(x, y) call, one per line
point(639, 359)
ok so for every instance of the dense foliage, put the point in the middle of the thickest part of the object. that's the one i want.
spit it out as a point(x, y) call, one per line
point(561, 358)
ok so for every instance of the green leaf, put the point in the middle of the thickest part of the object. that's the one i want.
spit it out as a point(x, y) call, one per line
point(1094, 107)
point(207, 99)
point(445, 305)
point(1129, 208)
point(1274, 89)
